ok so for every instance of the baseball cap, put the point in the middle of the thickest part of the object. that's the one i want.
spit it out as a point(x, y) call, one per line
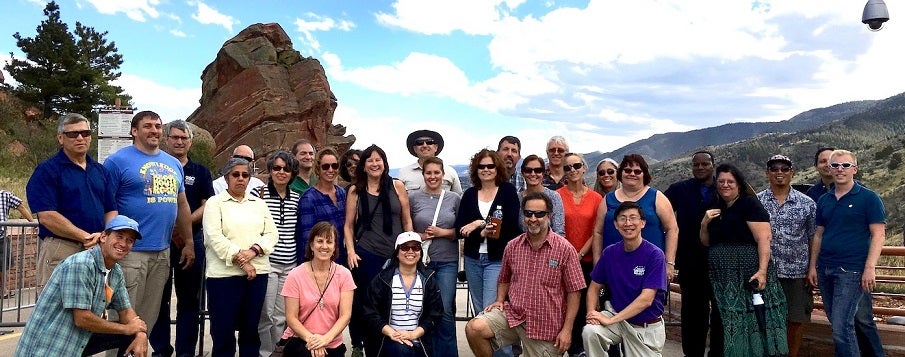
point(779, 158)
point(406, 237)
point(121, 222)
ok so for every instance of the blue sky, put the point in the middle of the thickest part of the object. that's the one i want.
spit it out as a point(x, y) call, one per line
point(601, 73)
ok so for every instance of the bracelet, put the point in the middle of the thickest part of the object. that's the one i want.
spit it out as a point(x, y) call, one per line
point(671, 263)
point(257, 250)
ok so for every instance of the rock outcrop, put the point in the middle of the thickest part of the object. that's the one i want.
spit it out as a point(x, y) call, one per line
point(261, 92)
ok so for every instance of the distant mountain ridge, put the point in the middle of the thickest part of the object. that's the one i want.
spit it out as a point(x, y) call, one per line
point(665, 146)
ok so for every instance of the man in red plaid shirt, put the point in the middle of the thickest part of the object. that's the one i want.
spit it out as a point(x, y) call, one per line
point(541, 276)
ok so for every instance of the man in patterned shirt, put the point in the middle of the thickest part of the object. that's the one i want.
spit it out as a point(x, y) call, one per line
point(541, 276)
point(792, 215)
point(68, 318)
point(8, 201)
point(509, 149)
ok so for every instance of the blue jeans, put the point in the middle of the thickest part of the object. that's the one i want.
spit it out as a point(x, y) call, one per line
point(444, 336)
point(866, 329)
point(482, 275)
point(842, 296)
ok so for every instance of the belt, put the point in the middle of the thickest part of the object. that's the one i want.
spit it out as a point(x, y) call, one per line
point(658, 319)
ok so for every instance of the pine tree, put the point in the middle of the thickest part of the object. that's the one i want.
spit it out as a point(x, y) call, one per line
point(65, 72)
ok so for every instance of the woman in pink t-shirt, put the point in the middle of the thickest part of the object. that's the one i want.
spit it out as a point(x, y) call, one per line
point(318, 299)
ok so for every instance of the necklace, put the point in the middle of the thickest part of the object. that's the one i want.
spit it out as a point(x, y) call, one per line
point(321, 290)
point(632, 197)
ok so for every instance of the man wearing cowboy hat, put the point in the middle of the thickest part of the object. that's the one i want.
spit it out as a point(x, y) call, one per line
point(424, 144)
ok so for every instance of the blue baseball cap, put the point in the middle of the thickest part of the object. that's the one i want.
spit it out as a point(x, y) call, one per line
point(121, 222)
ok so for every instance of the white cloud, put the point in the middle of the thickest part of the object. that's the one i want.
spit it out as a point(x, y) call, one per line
point(136, 10)
point(432, 17)
point(177, 33)
point(313, 23)
point(209, 16)
point(171, 103)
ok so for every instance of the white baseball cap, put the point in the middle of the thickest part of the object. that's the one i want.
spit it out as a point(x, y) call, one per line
point(406, 237)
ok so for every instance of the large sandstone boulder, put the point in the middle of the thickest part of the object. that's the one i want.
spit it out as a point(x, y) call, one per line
point(260, 92)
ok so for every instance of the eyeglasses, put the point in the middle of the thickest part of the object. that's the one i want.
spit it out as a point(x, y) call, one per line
point(725, 183)
point(556, 150)
point(76, 133)
point(246, 158)
point(780, 168)
point(423, 142)
point(240, 174)
point(326, 167)
point(352, 163)
point(576, 166)
point(539, 214)
point(178, 137)
point(636, 172)
point(486, 167)
point(606, 172)
point(536, 170)
point(842, 165)
point(277, 168)
point(410, 248)
point(628, 219)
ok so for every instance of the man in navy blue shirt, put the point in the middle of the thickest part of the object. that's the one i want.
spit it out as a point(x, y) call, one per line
point(72, 196)
point(851, 229)
point(198, 188)
point(864, 318)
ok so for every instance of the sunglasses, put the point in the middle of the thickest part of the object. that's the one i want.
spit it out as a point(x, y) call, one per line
point(486, 167)
point(844, 165)
point(556, 150)
point(536, 170)
point(326, 167)
point(778, 169)
point(77, 133)
point(539, 214)
point(276, 168)
point(351, 163)
point(246, 158)
point(628, 171)
point(606, 172)
point(423, 142)
point(576, 166)
point(410, 248)
point(240, 174)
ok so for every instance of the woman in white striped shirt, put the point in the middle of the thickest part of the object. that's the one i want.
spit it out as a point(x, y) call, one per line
point(283, 205)
point(403, 303)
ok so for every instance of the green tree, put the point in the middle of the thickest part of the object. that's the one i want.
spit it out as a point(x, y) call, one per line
point(66, 72)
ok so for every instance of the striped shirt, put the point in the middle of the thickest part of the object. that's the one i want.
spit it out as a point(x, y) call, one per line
point(406, 306)
point(285, 214)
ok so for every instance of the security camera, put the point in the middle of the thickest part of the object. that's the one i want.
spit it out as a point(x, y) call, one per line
point(875, 14)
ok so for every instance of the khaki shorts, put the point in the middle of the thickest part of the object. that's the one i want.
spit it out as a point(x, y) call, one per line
point(503, 335)
point(54, 251)
point(799, 299)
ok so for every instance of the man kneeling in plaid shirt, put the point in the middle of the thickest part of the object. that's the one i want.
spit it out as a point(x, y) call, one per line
point(542, 278)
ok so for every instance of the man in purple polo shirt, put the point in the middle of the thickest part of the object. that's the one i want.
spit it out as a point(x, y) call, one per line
point(635, 273)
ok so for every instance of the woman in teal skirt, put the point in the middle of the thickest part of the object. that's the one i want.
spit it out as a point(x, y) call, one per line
point(737, 230)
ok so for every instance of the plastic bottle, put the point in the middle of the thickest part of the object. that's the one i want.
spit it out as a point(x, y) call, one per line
point(496, 218)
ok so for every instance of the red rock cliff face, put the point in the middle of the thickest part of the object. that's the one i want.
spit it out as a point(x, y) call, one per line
point(260, 92)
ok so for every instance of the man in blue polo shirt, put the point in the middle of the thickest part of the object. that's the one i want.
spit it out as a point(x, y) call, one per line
point(72, 196)
point(851, 229)
point(148, 186)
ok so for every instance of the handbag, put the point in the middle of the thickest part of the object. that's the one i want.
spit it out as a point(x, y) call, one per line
point(279, 349)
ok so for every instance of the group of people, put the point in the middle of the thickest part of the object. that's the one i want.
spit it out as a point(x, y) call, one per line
point(331, 241)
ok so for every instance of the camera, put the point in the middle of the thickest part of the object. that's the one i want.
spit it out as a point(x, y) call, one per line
point(875, 14)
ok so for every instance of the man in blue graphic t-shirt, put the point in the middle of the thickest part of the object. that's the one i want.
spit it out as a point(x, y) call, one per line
point(148, 186)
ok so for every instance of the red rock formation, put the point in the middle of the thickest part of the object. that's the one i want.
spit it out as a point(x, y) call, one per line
point(260, 92)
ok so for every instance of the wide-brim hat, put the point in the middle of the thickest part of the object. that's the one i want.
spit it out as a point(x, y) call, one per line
point(410, 141)
point(121, 222)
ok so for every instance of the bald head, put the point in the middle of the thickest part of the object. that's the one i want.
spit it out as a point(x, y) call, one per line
point(244, 150)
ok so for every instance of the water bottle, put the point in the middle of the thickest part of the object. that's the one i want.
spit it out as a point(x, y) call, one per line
point(496, 218)
point(757, 300)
